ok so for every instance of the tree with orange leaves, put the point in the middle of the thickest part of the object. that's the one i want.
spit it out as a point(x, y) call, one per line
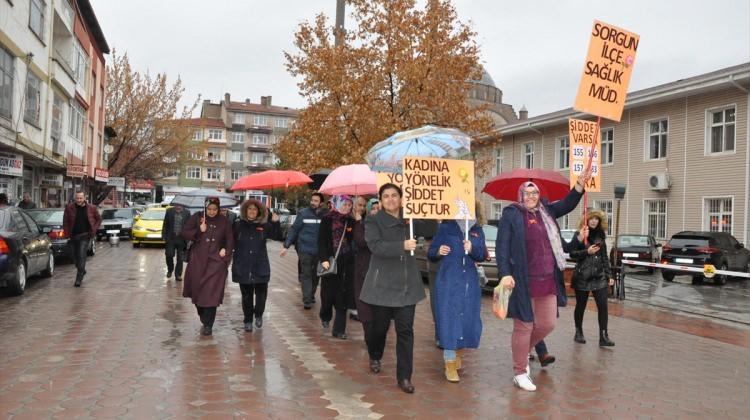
point(399, 68)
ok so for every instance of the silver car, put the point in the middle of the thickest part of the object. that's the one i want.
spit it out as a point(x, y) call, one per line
point(118, 221)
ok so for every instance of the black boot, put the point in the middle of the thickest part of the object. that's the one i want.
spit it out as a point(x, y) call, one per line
point(604, 340)
point(579, 336)
point(79, 278)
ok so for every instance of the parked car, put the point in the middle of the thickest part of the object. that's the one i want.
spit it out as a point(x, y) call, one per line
point(116, 221)
point(25, 250)
point(567, 234)
point(637, 248)
point(147, 227)
point(50, 221)
point(697, 249)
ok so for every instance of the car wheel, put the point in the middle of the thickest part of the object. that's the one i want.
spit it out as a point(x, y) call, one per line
point(92, 249)
point(667, 275)
point(721, 279)
point(18, 282)
point(698, 279)
point(136, 244)
point(50, 270)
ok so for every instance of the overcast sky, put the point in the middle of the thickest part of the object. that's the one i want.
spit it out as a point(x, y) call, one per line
point(534, 50)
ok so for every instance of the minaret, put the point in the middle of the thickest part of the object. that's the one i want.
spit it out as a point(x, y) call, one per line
point(339, 30)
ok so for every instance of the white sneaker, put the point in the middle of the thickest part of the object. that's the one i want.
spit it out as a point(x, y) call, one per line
point(523, 381)
point(528, 371)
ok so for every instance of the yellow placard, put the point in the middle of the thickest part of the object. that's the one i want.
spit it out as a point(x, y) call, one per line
point(438, 188)
point(582, 148)
point(389, 178)
point(606, 74)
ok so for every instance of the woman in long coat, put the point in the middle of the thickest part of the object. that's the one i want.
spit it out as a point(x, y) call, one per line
point(457, 292)
point(251, 268)
point(210, 255)
point(361, 265)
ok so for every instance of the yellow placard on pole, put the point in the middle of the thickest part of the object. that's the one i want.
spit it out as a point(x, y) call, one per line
point(582, 148)
point(438, 188)
point(606, 74)
point(383, 178)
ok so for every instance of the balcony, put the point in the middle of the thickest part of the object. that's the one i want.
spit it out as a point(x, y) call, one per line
point(63, 76)
point(260, 129)
point(58, 146)
point(259, 147)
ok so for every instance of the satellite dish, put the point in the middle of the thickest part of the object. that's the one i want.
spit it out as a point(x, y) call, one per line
point(108, 148)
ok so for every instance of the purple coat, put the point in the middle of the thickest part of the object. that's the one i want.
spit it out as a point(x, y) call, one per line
point(206, 273)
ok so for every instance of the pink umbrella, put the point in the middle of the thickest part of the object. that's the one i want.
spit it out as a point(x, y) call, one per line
point(350, 179)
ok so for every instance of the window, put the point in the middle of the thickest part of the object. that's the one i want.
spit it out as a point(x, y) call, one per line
point(238, 156)
point(239, 119)
point(608, 144)
point(718, 216)
point(197, 135)
point(77, 117)
point(281, 122)
point(563, 152)
point(260, 139)
point(606, 207)
point(80, 63)
point(261, 159)
point(215, 134)
point(721, 130)
point(6, 83)
point(657, 139)
point(57, 117)
point(215, 155)
point(236, 174)
point(499, 160)
point(213, 174)
point(33, 99)
point(260, 120)
point(564, 222)
point(36, 17)
point(193, 172)
point(193, 156)
point(656, 218)
point(528, 155)
point(497, 211)
point(171, 172)
point(238, 137)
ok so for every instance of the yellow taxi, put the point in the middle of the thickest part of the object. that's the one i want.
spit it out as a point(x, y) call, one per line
point(147, 227)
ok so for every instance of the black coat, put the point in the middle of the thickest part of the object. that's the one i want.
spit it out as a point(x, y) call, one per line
point(167, 231)
point(251, 263)
point(326, 247)
point(592, 272)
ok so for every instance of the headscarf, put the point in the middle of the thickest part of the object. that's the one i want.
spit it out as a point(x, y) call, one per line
point(339, 221)
point(549, 225)
point(339, 200)
point(371, 202)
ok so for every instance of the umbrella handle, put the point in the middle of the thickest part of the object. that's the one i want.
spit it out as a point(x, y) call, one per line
point(411, 233)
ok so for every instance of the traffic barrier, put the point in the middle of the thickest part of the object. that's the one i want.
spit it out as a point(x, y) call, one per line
point(707, 270)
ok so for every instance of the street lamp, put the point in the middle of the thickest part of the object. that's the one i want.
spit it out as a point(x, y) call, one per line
point(619, 195)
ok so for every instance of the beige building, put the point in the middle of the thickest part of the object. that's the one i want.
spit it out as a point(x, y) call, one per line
point(682, 149)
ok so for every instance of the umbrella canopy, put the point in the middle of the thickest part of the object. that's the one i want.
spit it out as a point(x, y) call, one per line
point(552, 185)
point(318, 178)
point(196, 198)
point(351, 179)
point(427, 141)
point(267, 180)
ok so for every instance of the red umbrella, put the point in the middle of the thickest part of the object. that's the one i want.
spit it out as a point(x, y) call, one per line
point(552, 185)
point(267, 180)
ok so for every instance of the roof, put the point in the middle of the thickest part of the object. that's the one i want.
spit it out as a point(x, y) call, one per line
point(206, 122)
point(93, 24)
point(738, 75)
point(262, 109)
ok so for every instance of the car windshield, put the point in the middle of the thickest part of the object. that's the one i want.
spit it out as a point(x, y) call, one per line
point(688, 241)
point(46, 216)
point(490, 232)
point(623, 241)
point(117, 214)
point(153, 215)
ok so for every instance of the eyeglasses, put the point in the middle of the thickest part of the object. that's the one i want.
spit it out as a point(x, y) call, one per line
point(531, 193)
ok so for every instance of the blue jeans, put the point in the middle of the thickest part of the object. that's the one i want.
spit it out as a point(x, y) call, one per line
point(541, 348)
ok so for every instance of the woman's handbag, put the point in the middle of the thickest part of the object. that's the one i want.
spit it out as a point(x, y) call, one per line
point(332, 268)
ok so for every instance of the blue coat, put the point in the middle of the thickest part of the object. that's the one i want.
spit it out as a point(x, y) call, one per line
point(457, 293)
point(304, 232)
point(511, 255)
point(251, 264)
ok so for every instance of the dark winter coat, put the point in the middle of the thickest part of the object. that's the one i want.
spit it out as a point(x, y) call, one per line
point(206, 273)
point(592, 272)
point(304, 231)
point(511, 255)
point(458, 297)
point(69, 218)
point(361, 265)
point(251, 265)
point(393, 278)
point(167, 231)
point(326, 246)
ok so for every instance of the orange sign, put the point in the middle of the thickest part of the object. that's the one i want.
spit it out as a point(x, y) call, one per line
point(606, 75)
point(583, 149)
point(389, 178)
point(438, 188)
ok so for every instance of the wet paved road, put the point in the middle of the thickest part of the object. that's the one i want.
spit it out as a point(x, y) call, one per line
point(127, 345)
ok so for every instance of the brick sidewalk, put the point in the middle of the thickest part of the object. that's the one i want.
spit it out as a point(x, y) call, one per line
point(127, 345)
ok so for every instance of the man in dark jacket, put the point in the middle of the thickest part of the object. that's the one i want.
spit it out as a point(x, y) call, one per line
point(81, 220)
point(26, 203)
point(174, 219)
point(304, 236)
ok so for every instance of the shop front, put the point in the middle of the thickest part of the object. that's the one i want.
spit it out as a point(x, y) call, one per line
point(11, 175)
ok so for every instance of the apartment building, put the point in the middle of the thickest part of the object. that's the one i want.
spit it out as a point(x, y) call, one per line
point(682, 150)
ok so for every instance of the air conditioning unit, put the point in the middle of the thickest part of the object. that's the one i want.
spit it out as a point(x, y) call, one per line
point(659, 182)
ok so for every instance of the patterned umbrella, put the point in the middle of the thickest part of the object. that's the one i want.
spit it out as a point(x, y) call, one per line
point(427, 141)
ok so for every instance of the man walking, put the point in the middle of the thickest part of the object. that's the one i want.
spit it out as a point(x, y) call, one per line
point(304, 236)
point(26, 203)
point(81, 220)
point(174, 244)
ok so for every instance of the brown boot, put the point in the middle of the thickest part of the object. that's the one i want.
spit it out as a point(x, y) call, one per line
point(451, 374)
point(459, 362)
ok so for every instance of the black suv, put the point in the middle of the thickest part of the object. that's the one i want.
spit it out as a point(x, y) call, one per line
point(700, 248)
